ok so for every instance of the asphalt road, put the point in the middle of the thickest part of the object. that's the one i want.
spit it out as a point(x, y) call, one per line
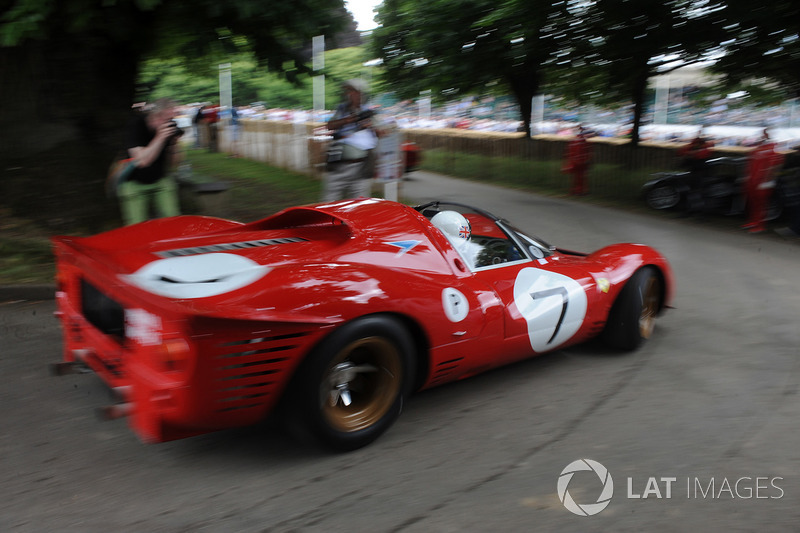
point(705, 413)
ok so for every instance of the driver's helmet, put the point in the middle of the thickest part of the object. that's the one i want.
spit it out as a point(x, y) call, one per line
point(453, 224)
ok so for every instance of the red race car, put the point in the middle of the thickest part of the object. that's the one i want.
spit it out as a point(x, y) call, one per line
point(333, 314)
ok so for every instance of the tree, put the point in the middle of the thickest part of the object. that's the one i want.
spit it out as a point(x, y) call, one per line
point(251, 82)
point(469, 46)
point(70, 66)
point(762, 45)
point(616, 46)
point(341, 65)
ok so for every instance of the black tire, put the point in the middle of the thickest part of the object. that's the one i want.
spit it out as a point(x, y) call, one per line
point(632, 317)
point(352, 386)
point(663, 197)
point(774, 208)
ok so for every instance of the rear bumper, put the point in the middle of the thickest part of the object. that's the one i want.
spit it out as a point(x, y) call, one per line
point(236, 372)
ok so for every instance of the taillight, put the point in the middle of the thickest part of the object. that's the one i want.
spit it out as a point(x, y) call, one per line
point(173, 355)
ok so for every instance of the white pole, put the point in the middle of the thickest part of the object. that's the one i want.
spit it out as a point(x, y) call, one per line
point(225, 102)
point(425, 104)
point(537, 112)
point(225, 91)
point(318, 55)
point(661, 110)
point(390, 190)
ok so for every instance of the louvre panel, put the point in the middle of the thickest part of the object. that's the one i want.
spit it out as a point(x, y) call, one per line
point(445, 369)
point(242, 368)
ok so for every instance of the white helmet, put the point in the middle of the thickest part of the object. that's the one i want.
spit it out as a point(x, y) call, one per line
point(453, 224)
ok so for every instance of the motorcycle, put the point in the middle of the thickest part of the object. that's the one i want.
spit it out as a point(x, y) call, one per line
point(717, 188)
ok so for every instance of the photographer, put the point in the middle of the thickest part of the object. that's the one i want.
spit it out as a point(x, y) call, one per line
point(152, 143)
point(351, 154)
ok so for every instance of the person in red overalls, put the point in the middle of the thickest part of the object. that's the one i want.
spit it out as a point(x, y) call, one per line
point(579, 155)
point(762, 165)
point(695, 154)
point(694, 158)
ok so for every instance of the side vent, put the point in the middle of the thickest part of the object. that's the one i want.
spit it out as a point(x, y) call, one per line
point(446, 370)
point(246, 371)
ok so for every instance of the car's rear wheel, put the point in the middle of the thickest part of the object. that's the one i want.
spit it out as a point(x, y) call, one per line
point(633, 315)
point(663, 197)
point(355, 382)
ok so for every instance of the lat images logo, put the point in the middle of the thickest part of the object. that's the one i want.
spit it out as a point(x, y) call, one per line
point(585, 509)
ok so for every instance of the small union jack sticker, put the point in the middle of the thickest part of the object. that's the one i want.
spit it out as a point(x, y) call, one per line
point(464, 232)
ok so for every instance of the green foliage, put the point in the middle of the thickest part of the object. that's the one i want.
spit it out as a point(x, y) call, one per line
point(763, 44)
point(597, 51)
point(621, 44)
point(469, 46)
point(171, 78)
point(251, 82)
point(24, 20)
point(275, 32)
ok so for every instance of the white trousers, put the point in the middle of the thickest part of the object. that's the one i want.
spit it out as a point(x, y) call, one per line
point(347, 180)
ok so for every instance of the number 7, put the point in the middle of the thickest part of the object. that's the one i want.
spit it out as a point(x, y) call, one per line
point(564, 301)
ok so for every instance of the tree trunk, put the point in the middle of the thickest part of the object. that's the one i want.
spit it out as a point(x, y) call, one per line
point(525, 110)
point(525, 87)
point(639, 95)
point(65, 103)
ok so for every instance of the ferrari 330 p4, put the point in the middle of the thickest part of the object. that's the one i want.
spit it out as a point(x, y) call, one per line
point(333, 313)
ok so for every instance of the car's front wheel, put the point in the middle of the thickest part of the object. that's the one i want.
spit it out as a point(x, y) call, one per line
point(353, 385)
point(633, 316)
point(663, 197)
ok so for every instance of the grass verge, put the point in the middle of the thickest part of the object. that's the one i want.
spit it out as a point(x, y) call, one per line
point(610, 184)
point(256, 189)
point(25, 252)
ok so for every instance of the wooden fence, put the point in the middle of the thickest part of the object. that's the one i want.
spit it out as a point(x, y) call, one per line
point(550, 147)
point(301, 146)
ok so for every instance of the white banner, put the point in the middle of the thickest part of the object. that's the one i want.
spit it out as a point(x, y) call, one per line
point(390, 159)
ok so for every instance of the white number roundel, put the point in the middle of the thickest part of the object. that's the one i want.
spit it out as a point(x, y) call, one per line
point(552, 304)
point(455, 304)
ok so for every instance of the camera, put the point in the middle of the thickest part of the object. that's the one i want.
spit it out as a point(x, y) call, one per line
point(178, 131)
point(365, 115)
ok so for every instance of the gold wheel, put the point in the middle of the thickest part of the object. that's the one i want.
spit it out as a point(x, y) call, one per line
point(361, 384)
point(651, 298)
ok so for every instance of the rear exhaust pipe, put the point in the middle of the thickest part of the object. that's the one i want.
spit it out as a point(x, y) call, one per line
point(113, 412)
point(122, 393)
point(80, 364)
point(69, 367)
